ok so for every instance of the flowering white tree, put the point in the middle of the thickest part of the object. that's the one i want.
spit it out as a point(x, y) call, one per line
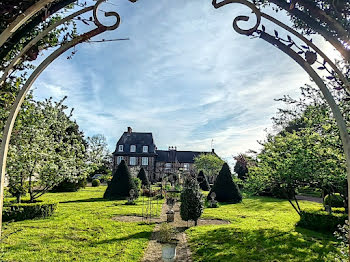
point(46, 149)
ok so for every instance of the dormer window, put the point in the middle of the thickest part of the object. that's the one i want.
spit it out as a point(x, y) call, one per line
point(121, 148)
point(145, 149)
point(132, 148)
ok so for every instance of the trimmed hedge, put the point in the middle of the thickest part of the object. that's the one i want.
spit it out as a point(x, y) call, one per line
point(321, 220)
point(121, 184)
point(225, 188)
point(334, 200)
point(67, 186)
point(23, 211)
point(95, 183)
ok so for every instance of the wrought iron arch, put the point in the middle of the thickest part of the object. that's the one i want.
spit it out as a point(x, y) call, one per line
point(8, 32)
point(258, 30)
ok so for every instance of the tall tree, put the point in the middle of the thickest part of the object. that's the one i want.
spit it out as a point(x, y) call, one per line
point(143, 177)
point(191, 201)
point(210, 164)
point(47, 148)
point(225, 188)
point(241, 166)
point(121, 183)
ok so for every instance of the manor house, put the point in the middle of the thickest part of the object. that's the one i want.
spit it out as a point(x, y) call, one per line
point(138, 150)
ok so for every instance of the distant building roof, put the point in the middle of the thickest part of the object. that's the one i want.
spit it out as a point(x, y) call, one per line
point(178, 156)
point(139, 139)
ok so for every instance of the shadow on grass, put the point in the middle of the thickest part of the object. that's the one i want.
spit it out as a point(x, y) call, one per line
point(86, 200)
point(144, 234)
point(230, 244)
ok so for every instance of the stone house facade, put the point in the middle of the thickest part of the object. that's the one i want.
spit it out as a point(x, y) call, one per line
point(139, 150)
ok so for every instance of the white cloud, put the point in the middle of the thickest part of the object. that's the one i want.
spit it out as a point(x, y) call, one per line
point(185, 75)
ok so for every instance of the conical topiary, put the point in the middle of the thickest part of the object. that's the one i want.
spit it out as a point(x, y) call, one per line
point(203, 181)
point(225, 188)
point(191, 201)
point(121, 184)
point(143, 177)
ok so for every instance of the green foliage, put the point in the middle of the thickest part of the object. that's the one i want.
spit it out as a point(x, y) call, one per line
point(143, 177)
point(210, 164)
point(121, 184)
point(241, 166)
point(83, 228)
point(334, 200)
point(191, 201)
point(327, 18)
point(305, 153)
point(137, 183)
point(23, 211)
point(262, 229)
point(203, 181)
point(46, 148)
point(67, 186)
point(321, 221)
point(167, 233)
point(225, 188)
point(95, 183)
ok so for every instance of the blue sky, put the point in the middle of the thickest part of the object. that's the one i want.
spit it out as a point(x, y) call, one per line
point(184, 75)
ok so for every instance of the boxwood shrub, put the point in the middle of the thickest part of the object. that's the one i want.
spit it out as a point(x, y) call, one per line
point(334, 200)
point(95, 183)
point(321, 220)
point(23, 211)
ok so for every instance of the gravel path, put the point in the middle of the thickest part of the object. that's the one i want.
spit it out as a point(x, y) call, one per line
point(183, 253)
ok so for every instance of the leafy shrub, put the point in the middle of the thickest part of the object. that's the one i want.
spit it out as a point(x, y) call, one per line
point(321, 220)
point(225, 188)
point(121, 184)
point(203, 181)
point(149, 193)
point(143, 177)
point(67, 186)
point(23, 211)
point(167, 233)
point(95, 183)
point(334, 200)
point(137, 183)
point(191, 201)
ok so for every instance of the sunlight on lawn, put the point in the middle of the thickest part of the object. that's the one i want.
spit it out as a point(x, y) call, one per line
point(262, 229)
point(80, 230)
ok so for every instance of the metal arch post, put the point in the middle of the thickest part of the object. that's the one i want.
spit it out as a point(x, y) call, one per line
point(22, 93)
point(20, 98)
point(345, 138)
point(21, 19)
point(18, 58)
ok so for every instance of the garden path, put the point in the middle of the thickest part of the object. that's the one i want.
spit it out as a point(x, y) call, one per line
point(183, 253)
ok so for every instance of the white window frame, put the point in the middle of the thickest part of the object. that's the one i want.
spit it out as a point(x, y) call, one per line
point(133, 148)
point(186, 166)
point(144, 161)
point(132, 163)
point(145, 149)
point(119, 159)
point(120, 148)
point(168, 166)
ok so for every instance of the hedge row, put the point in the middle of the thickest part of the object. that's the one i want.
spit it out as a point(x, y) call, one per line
point(321, 220)
point(23, 211)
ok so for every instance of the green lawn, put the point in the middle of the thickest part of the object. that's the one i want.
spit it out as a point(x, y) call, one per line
point(262, 229)
point(80, 230)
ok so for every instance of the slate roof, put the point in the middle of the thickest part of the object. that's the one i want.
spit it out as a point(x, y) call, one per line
point(139, 140)
point(177, 156)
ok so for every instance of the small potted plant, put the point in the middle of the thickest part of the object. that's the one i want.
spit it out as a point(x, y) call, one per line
point(167, 237)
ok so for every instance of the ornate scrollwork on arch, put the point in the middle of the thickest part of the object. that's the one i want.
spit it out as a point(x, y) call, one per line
point(107, 14)
point(244, 18)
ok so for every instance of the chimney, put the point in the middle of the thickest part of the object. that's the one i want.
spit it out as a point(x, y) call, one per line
point(129, 130)
point(212, 150)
